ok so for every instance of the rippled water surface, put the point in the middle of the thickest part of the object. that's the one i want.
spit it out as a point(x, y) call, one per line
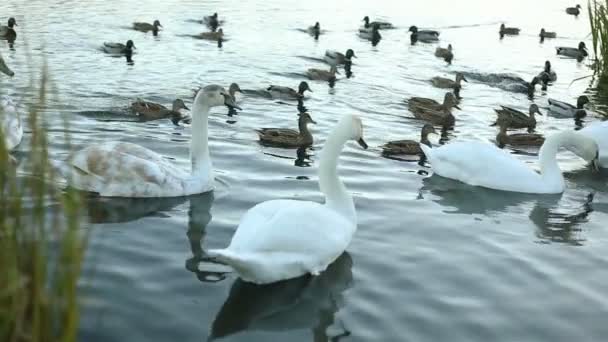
point(432, 260)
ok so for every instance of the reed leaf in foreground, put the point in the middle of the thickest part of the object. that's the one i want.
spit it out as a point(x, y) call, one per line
point(598, 21)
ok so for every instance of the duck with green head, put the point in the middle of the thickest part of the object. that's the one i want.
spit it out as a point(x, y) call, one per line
point(8, 32)
point(281, 92)
point(579, 52)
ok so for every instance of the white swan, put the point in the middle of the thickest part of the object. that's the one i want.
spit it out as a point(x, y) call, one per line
point(485, 165)
point(122, 169)
point(10, 123)
point(598, 131)
point(284, 239)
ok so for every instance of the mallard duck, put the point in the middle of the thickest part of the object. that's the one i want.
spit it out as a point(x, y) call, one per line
point(10, 123)
point(145, 27)
point(288, 93)
point(548, 73)
point(563, 109)
point(119, 48)
point(509, 31)
point(323, 75)
point(315, 30)
point(575, 11)
point(382, 25)
point(371, 33)
point(337, 58)
point(285, 137)
point(516, 118)
point(449, 101)
point(154, 111)
point(424, 36)
point(219, 34)
point(211, 21)
point(546, 34)
point(409, 146)
point(446, 83)
point(433, 112)
point(578, 53)
point(517, 139)
point(4, 68)
point(445, 53)
point(8, 32)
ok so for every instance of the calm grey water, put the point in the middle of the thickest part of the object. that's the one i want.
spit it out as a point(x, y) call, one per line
point(432, 260)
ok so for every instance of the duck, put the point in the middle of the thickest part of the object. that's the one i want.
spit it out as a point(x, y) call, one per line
point(446, 83)
point(372, 33)
point(211, 21)
point(575, 11)
point(410, 147)
point(232, 90)
point(598, 131)
point(145, 27)
point(425, 36)
point(546, 34)
point(449, 101)
point(485, 165)
point(5, 69)
point(123, 169)
point(578, 53)
point(213, 35)
point(517, 139)
point(433, 112)
point(311, 235)
point(285, 137)
point(8, 32)
point(315, 30)
point(10, 123)
point(322, 75)
point(336, 58)
point(516, 118)
point(509, 31)
point(563, 109)
point(382, 25)
point(154, 111)
point(289, 93)
point(445, 53)
point(548, 73)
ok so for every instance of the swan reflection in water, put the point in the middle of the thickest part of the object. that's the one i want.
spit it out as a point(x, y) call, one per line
point(119, 210)
point(300, 303)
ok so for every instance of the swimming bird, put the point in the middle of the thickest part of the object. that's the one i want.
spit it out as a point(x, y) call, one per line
point(232, 90)
point(546, 34)
point(315, 30)
point(323, 75)
point(4, 68)
point(283, 239)
point(288, 93)
point(449, 101)
point(516, 118)
point(578, 53)
point(153, 111)
point(575, 11)
point(446, 83)
point(336, 58)
point(563, 109)
point(213, 35)
point(548, 73)
point(598, 131)
point(433, 112)
point(371, 33)
point(382, 25)
point(509, 31)
point(425, 36)
point(8, 32)
point(410, 147)
point(211, 21)
point(145, 27)
point(122, 169)
point(10, 123)
point(286, 137)
point(445, 53)
point(485, 165)
point(517, 139)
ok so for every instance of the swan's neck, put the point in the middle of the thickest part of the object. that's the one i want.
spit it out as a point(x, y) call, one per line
point(549, 169)
point(199, 145)
point(336, 196)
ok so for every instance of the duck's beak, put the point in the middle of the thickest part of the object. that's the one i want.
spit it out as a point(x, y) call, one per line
point(229, 102)
point(313, 121)
point(457, 107)
point(186, 107)
point(465, 79)
point(362, 143)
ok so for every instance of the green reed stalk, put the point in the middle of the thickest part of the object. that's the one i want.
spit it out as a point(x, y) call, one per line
point(598, 20)
point(42, 243)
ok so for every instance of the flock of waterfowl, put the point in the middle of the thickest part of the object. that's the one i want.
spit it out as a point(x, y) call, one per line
point(282, 239)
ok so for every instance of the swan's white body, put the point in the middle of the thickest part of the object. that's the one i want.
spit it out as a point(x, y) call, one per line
point(485, 165)
point(284, 239)
point(121, 169)
point(10, 123)
point(598, 131)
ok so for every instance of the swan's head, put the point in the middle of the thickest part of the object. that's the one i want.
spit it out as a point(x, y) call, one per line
point(582, 146)
point(5, 69)
point(354, 128)
point(214, 96)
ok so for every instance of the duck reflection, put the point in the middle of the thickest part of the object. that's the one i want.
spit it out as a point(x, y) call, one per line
point(305, 302)
point(199, 216)
point(117, 210)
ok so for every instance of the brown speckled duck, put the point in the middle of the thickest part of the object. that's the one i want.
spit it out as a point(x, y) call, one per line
point(517, 139)
point(286, 137)
point(153, 111)
point(322, 75)
point(146, 27)
point(409, 147)
point(433, 112)
point(517, 119)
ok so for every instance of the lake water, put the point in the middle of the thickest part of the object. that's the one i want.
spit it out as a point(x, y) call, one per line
point(432, 260)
